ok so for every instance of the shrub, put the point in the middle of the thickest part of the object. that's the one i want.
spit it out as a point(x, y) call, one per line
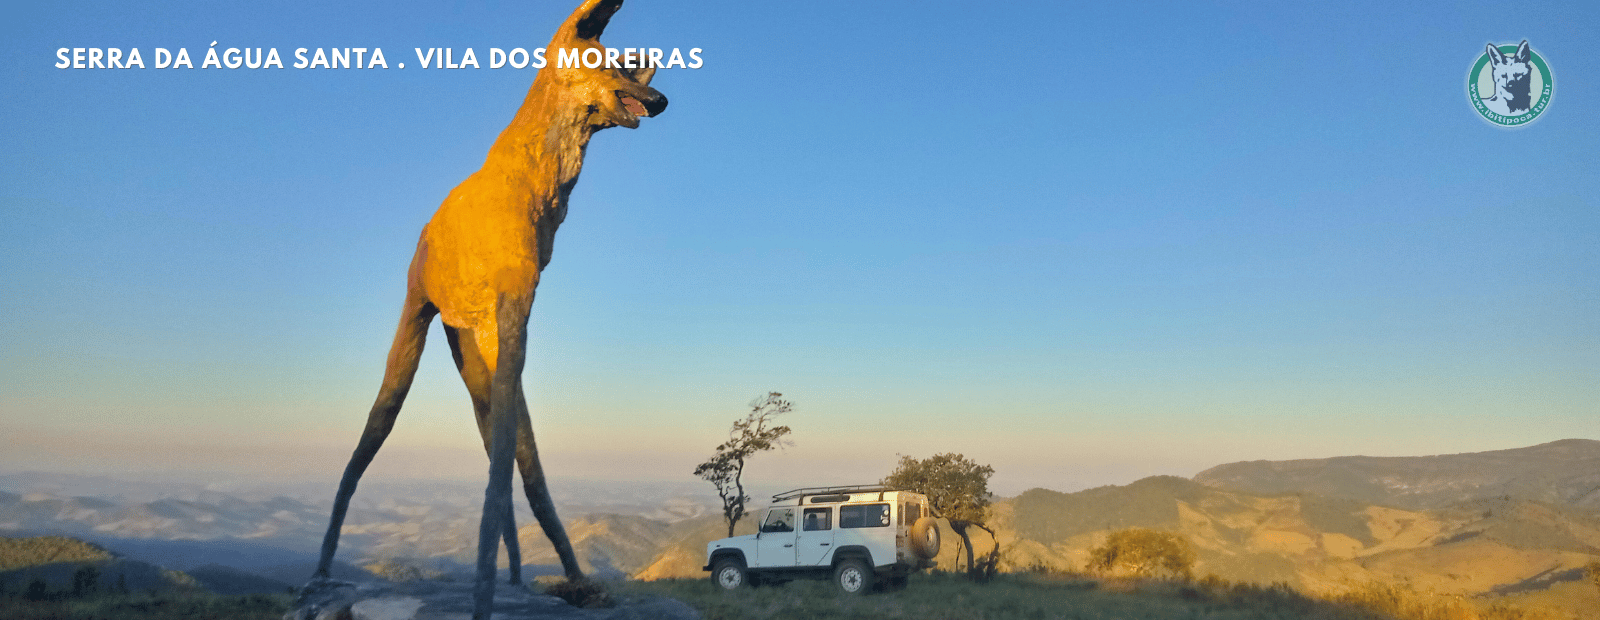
point(402, 570)
point(584, 593)
point(1143, 553)
point(37, 591)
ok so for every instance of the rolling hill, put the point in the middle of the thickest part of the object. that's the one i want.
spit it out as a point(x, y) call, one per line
point(58, 563)
point(1307, 540)
point(1562, 473)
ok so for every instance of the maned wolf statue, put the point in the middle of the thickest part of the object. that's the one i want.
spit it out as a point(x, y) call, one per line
point(1511, 83)
point(476, 267)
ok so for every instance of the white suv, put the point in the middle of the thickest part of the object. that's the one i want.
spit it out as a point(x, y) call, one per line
point(858, 535)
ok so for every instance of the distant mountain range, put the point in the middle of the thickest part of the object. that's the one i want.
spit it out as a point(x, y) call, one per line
point(618, 527)
point(1512, 522)
point(216, 515)
point(1563, 473)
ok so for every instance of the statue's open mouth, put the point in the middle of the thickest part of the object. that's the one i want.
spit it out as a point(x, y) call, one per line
point(653, 103)
point(634, 107)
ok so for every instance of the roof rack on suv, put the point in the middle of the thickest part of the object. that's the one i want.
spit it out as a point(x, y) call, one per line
point(858, 488)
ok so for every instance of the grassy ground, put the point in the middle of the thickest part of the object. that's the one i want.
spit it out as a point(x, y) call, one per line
point(1028, 596)
point(175, 606)
point(1024, 596)
point(1008, 597)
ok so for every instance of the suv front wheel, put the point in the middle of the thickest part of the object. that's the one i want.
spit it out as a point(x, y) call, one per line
point(853, 577)
point(729, 574)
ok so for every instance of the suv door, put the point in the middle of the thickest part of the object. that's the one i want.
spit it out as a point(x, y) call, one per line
point(775, 540)
point(867, 525)
point(815, 541)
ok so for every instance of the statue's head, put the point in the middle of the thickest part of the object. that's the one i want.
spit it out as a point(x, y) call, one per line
point(611, 95)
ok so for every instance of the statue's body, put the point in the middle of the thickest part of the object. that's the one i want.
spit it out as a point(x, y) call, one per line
point(476, 268)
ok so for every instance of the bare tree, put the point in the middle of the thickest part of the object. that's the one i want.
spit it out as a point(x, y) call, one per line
point(757, 432)
point(958, 491)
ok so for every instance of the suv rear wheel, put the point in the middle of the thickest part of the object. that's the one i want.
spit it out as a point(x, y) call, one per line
point(853, 577)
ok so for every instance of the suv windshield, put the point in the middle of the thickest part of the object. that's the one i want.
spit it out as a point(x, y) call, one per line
point(779, 520)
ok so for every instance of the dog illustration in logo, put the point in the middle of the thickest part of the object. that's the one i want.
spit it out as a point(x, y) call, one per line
point(1511, 83)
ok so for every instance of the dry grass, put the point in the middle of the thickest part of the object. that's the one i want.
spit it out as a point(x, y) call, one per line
point(1404, 603)
point(1051, 595)
point(1007, 597)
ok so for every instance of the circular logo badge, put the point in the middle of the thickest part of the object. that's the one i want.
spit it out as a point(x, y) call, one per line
point(1510, 85)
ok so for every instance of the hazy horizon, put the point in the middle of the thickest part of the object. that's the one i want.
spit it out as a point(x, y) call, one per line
point(402, 469)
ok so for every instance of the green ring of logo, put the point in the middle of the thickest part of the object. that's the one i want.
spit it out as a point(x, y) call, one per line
point(1533, 112)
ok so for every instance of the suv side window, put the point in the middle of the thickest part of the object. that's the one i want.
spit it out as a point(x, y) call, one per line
point(909, 513)
point(779, 520)
point(864, 515)
point(818, 519)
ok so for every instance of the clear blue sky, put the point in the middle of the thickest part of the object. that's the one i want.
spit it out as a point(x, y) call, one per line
point(1082, 243)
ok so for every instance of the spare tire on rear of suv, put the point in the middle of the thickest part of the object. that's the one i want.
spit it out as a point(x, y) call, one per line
point(925, 537)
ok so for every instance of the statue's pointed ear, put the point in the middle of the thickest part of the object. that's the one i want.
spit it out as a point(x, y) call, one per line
point(590, 19)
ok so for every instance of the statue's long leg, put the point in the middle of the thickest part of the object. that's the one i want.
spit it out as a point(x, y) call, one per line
point(475, 374)
point(511, 340)
point(404, 354)
point(533, 484)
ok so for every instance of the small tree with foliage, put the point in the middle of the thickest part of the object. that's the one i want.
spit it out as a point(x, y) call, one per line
point(1594, 573)
point(1143, 552)
point(958, 491)
point(757, 432)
